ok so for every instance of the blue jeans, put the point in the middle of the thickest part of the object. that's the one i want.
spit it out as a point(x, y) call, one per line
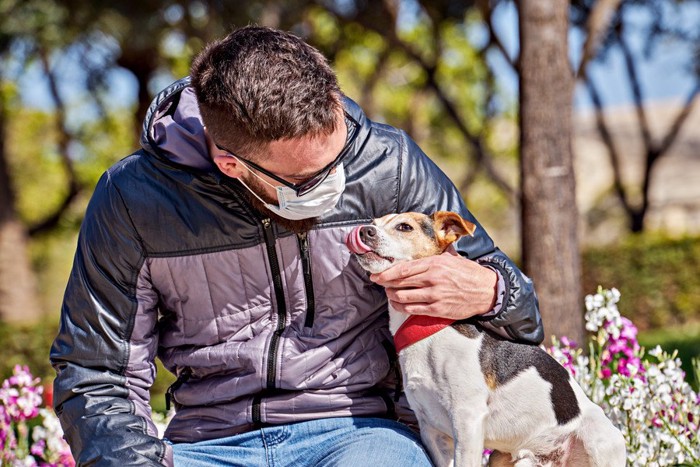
point(342, 442)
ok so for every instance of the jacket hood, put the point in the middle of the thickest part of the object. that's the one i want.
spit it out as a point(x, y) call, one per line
point(173, 128)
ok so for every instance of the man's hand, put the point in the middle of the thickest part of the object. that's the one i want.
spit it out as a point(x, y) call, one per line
point(447, 285)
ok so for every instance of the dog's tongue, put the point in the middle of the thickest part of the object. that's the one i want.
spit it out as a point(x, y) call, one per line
point(355, 244)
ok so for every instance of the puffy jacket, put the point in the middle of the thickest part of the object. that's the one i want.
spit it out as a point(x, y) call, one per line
point(260, 325)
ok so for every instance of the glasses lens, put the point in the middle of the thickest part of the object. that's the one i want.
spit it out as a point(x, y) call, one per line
point(317, 179)
point(313, 182)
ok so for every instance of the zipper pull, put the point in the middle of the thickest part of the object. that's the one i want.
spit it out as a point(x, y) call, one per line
point(182, 379)
point(267, 223)
point(304, 242)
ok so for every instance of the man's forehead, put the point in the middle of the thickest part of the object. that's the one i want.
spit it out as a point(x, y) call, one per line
point(301, 156)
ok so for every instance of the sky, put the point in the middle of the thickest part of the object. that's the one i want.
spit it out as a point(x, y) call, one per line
point(663, 78)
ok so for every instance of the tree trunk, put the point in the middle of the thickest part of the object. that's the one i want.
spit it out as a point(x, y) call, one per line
point(549, 213)
point(18, 301)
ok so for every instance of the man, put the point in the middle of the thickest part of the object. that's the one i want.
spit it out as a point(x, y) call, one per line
point(219, 247)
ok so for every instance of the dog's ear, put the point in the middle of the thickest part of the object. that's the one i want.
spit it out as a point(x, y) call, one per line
point(449, 227)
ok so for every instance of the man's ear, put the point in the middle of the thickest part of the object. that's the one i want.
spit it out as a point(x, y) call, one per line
point(449, 227)
point(229, 165)
point(224, 161)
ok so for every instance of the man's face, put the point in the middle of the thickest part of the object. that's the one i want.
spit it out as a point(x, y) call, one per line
point(293, 160)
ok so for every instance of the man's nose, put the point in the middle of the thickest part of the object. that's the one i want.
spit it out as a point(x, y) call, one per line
point(367, 233)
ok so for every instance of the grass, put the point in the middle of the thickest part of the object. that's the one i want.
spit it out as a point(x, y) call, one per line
point(685, 339)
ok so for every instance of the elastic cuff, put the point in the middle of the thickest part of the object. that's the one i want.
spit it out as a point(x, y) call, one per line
point(500, 296)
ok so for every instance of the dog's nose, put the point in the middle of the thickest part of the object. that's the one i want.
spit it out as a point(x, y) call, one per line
point(355, 242)
point(367, 232)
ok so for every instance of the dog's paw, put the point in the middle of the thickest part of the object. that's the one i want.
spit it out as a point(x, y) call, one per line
point(525, 458)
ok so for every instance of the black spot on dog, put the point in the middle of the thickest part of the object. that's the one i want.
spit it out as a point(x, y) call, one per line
point(426, 225)
point(502, 360)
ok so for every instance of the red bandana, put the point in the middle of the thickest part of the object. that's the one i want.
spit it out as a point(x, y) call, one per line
point(418, 327)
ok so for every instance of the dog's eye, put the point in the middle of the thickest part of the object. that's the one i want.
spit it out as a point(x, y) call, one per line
point(403, 227)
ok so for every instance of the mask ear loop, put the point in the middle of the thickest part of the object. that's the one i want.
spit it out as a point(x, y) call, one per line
point(255, 194)
point(259, 178)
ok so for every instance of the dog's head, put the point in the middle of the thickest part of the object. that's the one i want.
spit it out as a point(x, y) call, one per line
point(406, 236)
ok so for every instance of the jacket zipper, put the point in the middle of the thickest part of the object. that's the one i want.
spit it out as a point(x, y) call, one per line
point(308, 281)
point(181, 379)
point(281, 314)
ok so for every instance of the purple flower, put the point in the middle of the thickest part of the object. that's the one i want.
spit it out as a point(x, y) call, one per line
point(628, 330)
point(617, 346)
point(568, 343)
point(20, 408)
point(38, 448)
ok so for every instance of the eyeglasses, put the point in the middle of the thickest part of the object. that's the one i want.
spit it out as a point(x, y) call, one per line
point(315, 180)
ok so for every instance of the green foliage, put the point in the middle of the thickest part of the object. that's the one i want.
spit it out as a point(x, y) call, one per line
point(27, 345)
point(657, 276)
point(38, 178)
point(38, 174)
point(36, 20)
point(394, 77)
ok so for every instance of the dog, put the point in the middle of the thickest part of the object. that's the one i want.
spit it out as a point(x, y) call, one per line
point(471, 389)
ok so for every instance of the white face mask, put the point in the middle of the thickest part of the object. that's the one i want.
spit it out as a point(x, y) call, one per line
point(321, 199)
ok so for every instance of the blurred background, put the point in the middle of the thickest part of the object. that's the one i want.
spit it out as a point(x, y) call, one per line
point(76, 78)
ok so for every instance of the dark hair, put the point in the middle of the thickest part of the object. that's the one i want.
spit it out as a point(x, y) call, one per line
point(258, 85)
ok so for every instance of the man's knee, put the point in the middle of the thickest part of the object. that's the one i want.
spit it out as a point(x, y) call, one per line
point(385, 443)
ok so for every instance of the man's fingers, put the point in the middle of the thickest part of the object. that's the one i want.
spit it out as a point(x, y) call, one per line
point(405, 296)
point(411, 308)
point(400, 272)
point(418, 281)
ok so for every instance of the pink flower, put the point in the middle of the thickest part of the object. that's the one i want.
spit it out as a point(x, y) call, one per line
point(628, 330)
point(617, 346)
point(566, 342)
point(622, 367)
point(38, 448)
point(20, 408)
point(21, 394)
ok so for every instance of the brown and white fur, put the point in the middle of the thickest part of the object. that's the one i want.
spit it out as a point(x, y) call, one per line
point(472, 389)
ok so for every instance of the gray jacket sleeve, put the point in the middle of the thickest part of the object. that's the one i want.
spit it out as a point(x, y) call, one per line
point(105, 349)
point(425, 188)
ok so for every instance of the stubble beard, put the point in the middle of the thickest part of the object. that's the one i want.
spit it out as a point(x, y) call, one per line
point(295, 226)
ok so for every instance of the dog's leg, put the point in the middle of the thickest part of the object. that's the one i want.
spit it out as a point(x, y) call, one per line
point(604, 444)
point(526, 462)
point(439, 445)
point(468, 428)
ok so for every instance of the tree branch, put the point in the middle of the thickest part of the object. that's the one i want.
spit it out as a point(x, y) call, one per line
point(597, 24)
point(64, 138)
point(606, 135)
point(480, 153)
point(495, 41)
point(366, 101)
point(633, 76)
point(675, 129)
